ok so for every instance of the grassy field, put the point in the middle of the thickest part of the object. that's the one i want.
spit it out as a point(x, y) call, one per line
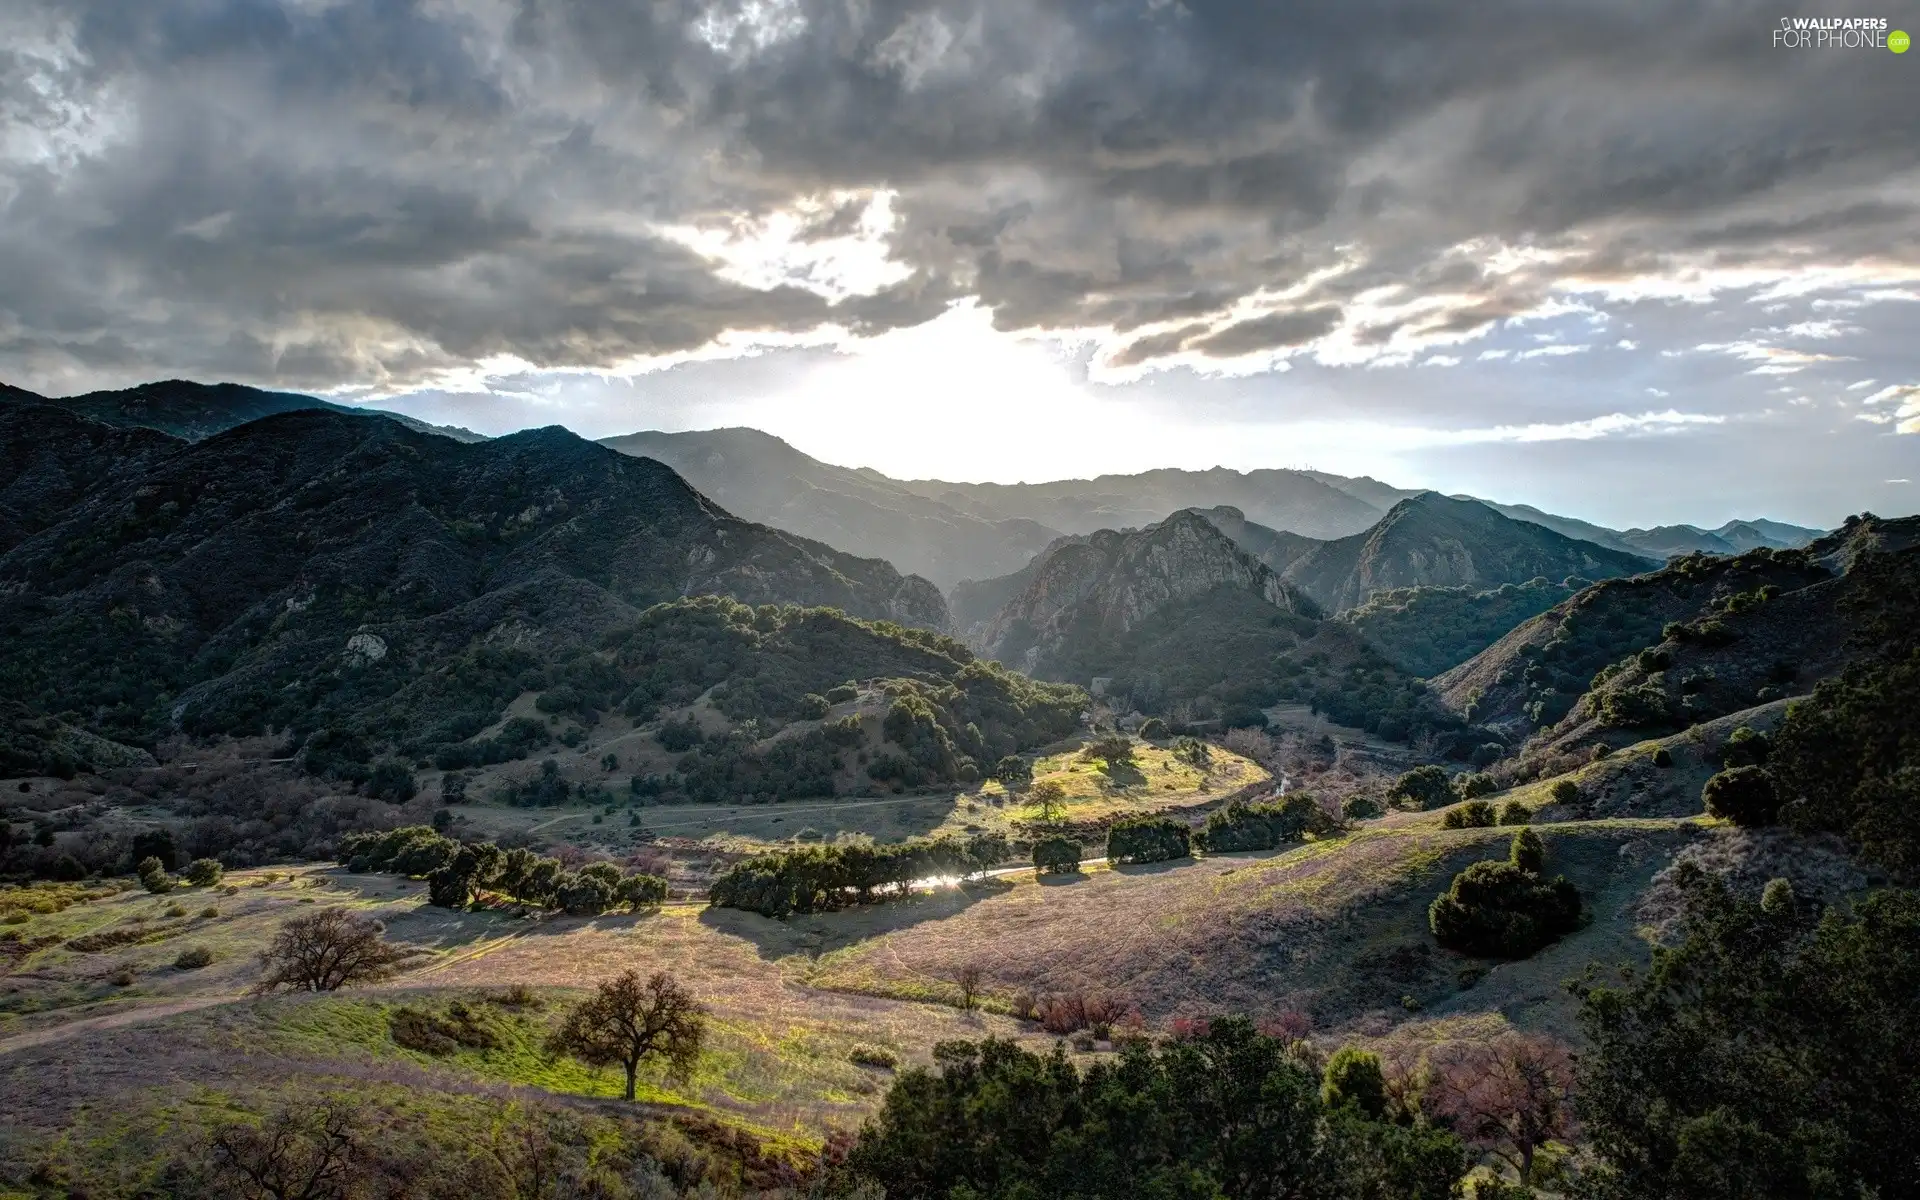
point(1156, 780)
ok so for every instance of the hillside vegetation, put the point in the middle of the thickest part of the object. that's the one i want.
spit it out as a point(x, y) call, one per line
point(1427, 630)
point(313, 567)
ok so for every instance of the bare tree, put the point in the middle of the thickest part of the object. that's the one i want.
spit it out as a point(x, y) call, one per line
point(325, 950)
point(1510, 1095)
point(310, 1152)
point(968, 977)
point(628, 1022)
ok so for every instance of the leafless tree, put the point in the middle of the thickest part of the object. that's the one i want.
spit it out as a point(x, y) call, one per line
point(326, 950)
point(627, 1022)
point(1510, 1095)
point(311, 1152)
point(968, 977)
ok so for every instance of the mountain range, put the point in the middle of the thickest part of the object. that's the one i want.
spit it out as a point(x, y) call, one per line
point(237, 581)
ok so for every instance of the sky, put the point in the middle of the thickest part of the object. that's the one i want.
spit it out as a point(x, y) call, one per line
point(1634, 262)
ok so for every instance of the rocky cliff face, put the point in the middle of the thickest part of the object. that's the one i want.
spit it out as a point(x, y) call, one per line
point(1106, 584)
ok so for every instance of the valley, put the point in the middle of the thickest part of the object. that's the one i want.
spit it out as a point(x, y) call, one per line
point(1175, 758)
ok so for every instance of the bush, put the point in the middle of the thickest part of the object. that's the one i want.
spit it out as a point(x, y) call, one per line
point(204, 872)
point(1566, 791)
point(873, 1056)
point(1663, 757)
point(1421, 788)
point(1360, 808)
point(1505, 909)
point(1474, 814)
point(193, 959)
point(641, 891)
point(1745, 748)
point(1474, 785)
point(1154, 730)
point(391, 781)
point(1515, 813)
point(1148, 839)
point(1240, 826)
point(816, 878)
point(1744, 795)
point(1354, 1077)
point(153, 876)
point(1056, 856)
point(677, 737)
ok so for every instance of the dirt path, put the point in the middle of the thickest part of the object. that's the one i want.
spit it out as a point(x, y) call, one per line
point(113, 1020)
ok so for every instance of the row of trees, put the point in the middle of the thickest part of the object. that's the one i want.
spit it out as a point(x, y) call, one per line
point(817, 878)
point(1241, 826)
point(457, 873)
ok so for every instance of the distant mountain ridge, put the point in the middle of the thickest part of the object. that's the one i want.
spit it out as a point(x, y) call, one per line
point(863, 512)
point(194, 411)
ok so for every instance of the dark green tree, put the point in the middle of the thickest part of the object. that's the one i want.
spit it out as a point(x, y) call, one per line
point(1774, 1051)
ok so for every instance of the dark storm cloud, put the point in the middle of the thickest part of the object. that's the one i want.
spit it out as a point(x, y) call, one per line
point(317, 193)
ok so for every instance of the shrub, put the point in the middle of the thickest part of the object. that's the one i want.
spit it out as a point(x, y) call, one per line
point(175, 912)
point(677, 737)
point(391, 781)
point(1565, 791)
point(1154, 730)
point(1056, 856)
point(641, 891)
point(1474, 785)
point(1745, 748)
point(1515, 813)
point(1112, 750)
point(1148, 839)
point(873, 1056)
point(1421, 788)
point(1360, 808)
point(1744, 795)
point(193, 959)
point(1354, 1077)
point(1663, 757)
point(153, 876)
point(204, 872)
point(1240, 826)
point(209, 913)
point(1474, 814)
point(1505, 909)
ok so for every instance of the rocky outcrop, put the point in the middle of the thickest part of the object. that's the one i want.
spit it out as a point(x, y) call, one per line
point(1106, 584)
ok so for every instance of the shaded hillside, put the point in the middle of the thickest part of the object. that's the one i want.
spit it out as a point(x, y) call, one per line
point(1102, 587)
point(1671, 541)
point(1766, 619)
point(316, 561)
point(1289, 500)
point(1753, 645)
point(199, 410)
point(1185, 623)
point(50, 458)
point(1426, 630)
point(1277, 548)
point(1432, 540)
point(764, 479)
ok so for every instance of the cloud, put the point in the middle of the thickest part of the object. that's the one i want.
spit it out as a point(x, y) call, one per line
point(1905, 402)
point(379, 196)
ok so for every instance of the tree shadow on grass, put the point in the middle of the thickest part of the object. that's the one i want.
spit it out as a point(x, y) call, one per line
point(1062, 879)
point(1153, 868)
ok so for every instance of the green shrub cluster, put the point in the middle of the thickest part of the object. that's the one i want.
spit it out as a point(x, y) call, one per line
point(1148, 839)
point(1474, 814)
point(819, 878)
point(1056, 856)
point(1505, 908)
point(1229, 1112)
point(457, 872)
point(1241, 826)
point(1421, 788)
